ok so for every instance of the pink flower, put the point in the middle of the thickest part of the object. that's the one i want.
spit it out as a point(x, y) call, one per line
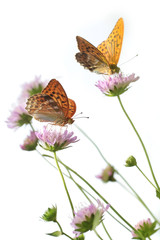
point(18, 117)
point(56, 140)
point(30, 143)
point(107, 174)
point(34, 87)
point(145, 229)
point(88, 218)
point(116, 84)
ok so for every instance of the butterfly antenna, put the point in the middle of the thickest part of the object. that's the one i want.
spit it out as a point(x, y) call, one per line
point(129, 60)
point(76, 116)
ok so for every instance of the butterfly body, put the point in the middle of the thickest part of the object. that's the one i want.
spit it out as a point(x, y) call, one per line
point(104, 58)
point(52, 105)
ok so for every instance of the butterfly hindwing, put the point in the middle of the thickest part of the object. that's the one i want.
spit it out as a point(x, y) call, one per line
point(52, 105)
point(90, 57)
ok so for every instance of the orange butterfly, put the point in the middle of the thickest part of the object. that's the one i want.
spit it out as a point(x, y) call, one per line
point(104, 58)
point(52, 105)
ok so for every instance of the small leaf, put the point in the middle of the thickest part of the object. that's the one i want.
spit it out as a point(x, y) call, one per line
point(55, 234)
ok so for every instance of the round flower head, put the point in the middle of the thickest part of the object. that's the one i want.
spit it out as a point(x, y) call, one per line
point(56, 140)
point(107, 174)
point(30, 143)
point(88, 218)
point(18, 117)
point(29, 89)
point(145, 229)
point(116, 84)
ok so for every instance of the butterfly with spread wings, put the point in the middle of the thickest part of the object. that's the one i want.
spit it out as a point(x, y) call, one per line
point(104, 58)
point(52, 105)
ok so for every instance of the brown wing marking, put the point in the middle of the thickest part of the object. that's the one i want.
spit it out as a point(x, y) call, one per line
point(72, 108)
point(111, 48)
point(87, 48)
point(55, 90)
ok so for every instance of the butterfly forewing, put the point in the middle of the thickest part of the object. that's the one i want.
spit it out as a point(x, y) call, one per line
point(52, 105)
point(111, 48)
point(55, 90)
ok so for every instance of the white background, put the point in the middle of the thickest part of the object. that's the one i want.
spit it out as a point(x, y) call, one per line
point(38, 38)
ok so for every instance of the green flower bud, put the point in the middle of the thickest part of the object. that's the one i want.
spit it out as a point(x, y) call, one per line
point(131, 161)
point(50, 214)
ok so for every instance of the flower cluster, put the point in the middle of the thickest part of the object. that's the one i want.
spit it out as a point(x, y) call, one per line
point(116, 84)
point(145, 228)
point(107, 174)
point(54, 140)
point(18, 117)
point(88, 218)
point(30, 143)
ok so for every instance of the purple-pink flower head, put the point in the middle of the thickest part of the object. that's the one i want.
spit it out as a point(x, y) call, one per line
point(107, 174)
point(55, 140)
point(30, 143)
point(88, 218)
point(145, 229)
point(29, 89)
point(116, 84)
point(18, 117)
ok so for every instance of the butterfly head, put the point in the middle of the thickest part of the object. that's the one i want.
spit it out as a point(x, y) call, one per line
point(114, 69)
point(70, 120)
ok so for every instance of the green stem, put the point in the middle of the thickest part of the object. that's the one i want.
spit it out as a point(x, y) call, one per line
point(137, 196)
point(98, 234)
point(143, 146)
point(98, 195)
point(83, 190)
point(93, 144)
point(106, 231)
point(146, 177)
point(65, 186)
point(62, 231)
point(59, 226)
point(31, 126)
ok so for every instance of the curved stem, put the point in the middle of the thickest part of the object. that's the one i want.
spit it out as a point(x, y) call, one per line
point(136, 195)
point(93, 144)
point(98, 234)
point(139, 198)
point(62, 231)
point(143, 146)
point(146, 177)
point(98, 195)
point(65, 186)
point(106, 231)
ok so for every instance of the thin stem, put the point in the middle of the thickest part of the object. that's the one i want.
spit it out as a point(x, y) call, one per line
point(98, 234)
point(31, 126)
point(137, 196)
point(65, 186)
point(143, 146)
point(83, 190)
point(106, 231)
point(146, 177)
point(59, 226)
point(63, 233)
point(98, 195)
point(93, 144)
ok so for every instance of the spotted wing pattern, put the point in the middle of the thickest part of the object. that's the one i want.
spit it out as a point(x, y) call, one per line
point(52, 105)
point(111, 48)
point(90, 57)
point(104, 58)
